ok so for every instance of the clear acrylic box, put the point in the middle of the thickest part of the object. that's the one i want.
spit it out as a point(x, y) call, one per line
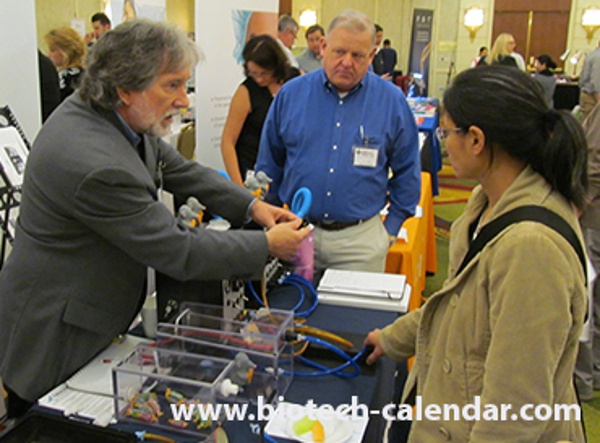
point(220, 332)
point(151, 385)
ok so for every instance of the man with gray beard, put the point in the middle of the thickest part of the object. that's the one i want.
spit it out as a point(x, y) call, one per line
point(91, 221)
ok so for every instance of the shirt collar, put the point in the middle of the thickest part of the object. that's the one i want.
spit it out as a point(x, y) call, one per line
point(133, 137)
point(331, 88)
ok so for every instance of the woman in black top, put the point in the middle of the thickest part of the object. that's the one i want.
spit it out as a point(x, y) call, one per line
point(266, 69)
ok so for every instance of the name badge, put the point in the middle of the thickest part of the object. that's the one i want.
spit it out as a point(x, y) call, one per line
point(365, 156)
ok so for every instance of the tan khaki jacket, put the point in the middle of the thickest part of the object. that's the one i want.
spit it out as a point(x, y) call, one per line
point(505, 330)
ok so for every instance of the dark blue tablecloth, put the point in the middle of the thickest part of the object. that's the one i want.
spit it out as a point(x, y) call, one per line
point(375, 387)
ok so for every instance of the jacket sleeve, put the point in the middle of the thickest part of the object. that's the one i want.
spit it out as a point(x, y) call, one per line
point(398, 340)
point(117, 204)
point(536, 309)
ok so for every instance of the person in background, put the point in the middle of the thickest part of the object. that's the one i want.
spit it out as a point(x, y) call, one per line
point(519, 59)
point(266, 68)
point(100, 25)
point(587, 370)
point(483, 51)
point(350, 138)
point(49, 88)
point(389, 56)
point(501, 53)
point(377, 63)
point(67, 50)
point(544, 74)
point(91, 223)
point(589, 82)
point(505, 329)
point(310, 59)
point(287, 33)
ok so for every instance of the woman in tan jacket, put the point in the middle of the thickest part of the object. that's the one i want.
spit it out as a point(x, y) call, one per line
point(499, 340)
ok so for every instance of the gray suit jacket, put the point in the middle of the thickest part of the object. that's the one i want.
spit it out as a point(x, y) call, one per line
point(90, 223)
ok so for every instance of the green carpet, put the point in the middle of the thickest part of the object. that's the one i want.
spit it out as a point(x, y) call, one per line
point(447, 207)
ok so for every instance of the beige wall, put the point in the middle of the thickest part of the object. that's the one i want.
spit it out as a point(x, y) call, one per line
point(395, 17)
point(52, 14)
point(451, 42)
point(392, 15)
point(181, 13)
point(577, 38)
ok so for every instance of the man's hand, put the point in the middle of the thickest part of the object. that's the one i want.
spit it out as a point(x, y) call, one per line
point(285, 238)
point(373, 340)
point(268, 215)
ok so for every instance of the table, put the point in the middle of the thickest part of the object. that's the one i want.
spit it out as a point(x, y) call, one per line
point(417, 256)
point(373, 390)
point(566, 96)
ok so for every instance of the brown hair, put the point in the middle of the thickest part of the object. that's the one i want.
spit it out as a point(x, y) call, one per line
point(70, 44)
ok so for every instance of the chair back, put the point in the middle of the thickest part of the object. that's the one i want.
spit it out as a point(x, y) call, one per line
point(186, 142)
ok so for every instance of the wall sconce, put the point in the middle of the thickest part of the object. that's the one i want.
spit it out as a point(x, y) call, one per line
point(473, 20)
point(590, 22)
point(308, 17)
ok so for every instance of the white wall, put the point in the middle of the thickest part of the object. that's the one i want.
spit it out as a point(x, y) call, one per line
point(19, 85)
point(218, 76)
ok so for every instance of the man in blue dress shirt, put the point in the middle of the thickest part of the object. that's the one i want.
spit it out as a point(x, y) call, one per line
point(350, 137)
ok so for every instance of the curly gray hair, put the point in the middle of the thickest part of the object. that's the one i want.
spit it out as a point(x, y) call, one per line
point(131, 57)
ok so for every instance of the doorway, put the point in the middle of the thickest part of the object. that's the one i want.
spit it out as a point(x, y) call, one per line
point(538, 27)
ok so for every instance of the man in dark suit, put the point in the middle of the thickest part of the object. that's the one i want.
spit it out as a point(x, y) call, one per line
point(91, 221)
point(389, 56)
point(377, 62)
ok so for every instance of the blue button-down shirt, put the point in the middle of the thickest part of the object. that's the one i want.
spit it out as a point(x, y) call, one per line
point(308, 141)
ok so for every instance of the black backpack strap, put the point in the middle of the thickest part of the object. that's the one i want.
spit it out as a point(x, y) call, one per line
point(525, 213)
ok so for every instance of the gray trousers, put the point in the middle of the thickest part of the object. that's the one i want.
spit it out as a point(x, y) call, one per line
point(587, 368)
point(363, 247)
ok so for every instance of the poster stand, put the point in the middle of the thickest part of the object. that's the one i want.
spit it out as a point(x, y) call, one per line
point(14, 149)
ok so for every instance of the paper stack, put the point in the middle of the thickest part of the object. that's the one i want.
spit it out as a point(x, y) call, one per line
point(370, 290)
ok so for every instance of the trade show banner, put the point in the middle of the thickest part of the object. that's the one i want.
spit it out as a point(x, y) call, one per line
point(230, 23)
point(420, 49)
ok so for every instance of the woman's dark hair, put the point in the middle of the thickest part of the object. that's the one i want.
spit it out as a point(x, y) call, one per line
point(510, 109)
point(266, 53)
point(547, 60)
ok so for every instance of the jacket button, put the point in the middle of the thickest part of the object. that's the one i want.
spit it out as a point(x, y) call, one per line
point(445, 433)
point(447, 366)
